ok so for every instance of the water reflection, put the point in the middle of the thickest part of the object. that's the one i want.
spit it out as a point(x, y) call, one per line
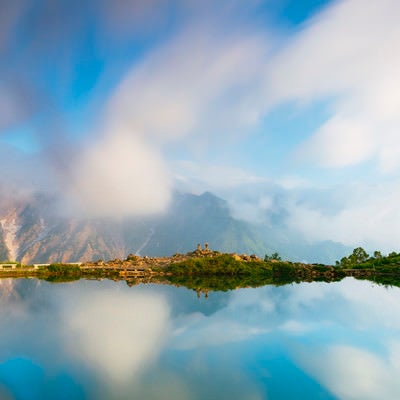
point(115, 332)
point(104, 340)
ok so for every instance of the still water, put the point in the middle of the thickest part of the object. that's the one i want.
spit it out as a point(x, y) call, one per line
point(105, 340)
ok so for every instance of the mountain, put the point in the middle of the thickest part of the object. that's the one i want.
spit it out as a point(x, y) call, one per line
point(31, 231)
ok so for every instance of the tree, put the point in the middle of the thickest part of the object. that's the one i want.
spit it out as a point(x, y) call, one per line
point(273, 257)
point(359, 256)
point(345, 262)
point(377, 254)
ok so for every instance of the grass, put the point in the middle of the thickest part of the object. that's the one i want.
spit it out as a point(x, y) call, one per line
point(223, 264)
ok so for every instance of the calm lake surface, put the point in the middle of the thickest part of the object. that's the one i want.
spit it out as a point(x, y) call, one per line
point(106, 340)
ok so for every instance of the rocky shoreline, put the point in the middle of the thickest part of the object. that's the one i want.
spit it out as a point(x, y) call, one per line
point(142, 265)
point(202, 262)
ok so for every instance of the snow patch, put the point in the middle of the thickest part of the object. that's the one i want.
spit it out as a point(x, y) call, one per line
point(10, 230)
point(43, 233)
point(145, 243)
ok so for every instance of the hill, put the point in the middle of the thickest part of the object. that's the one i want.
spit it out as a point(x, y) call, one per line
point(33, 232)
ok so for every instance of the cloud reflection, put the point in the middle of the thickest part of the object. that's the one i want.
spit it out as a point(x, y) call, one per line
point(117, 333)
point(355, 373)
point(340, 340)
point(343, 335)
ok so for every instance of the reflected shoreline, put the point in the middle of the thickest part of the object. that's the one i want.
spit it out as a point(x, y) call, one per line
point(205, 284)
point(204, 269)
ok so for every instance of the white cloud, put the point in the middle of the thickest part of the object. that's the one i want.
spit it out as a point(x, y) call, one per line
point(211, 80)
point(198, 177)
point(349, 54)
point(340, 142)
point(185, 85)
point(120, 175)
point(364, 214)
point(182, 93)
point(181, 90)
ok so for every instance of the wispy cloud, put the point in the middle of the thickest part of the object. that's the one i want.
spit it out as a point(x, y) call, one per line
point(179, 81)
point(360, 214)
point(180, 91)
point(347, 53)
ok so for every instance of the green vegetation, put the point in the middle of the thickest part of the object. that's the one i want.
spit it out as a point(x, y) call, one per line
point(61, 278)
point(358, 256)
point(223, 264)
point(56, 272)
point(377, 264)
point(225, 272)
point(67, 272)
point(216, 271)
point(273, 257)
point(17, 264)
point(284, 269)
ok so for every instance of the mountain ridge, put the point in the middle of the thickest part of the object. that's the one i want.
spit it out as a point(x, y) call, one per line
point(32, 231)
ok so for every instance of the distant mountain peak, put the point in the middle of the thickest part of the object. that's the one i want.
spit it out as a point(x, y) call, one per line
point(31, 231)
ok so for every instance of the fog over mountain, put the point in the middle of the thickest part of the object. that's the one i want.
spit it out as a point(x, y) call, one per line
point(33, 231)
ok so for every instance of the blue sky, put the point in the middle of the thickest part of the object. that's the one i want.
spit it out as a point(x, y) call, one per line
point(296, 98)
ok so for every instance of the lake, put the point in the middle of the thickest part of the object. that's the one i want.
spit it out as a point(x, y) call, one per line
point(105, 340)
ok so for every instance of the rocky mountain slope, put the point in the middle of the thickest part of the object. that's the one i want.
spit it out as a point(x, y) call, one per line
point(31, 231)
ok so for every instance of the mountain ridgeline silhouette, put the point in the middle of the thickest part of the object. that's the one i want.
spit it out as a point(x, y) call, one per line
point(31, 231)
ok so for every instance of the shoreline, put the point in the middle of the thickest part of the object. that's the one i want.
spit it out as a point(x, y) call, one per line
point(202, 268)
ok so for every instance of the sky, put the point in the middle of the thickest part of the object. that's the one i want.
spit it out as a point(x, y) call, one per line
point(273, 105)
